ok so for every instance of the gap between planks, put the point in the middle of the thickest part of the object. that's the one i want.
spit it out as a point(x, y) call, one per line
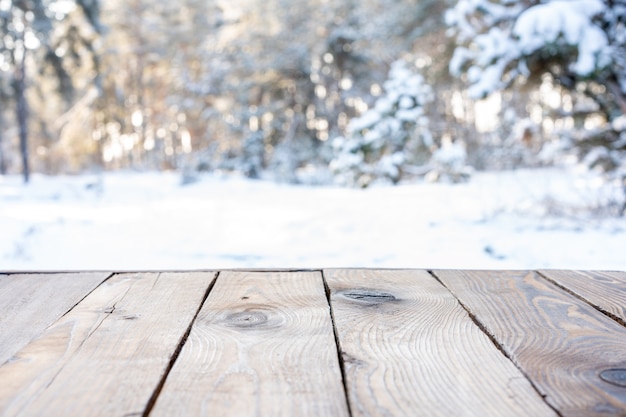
point(342, 366)
point(495, 341)
point(155, 394)
point(546, 275)
point(108, 277)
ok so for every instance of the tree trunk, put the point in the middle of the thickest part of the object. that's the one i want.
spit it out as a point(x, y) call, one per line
point(619, 95)
point(3, 167)
point(22, 113)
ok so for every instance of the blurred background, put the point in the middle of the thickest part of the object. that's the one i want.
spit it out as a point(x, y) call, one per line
point(517, 105)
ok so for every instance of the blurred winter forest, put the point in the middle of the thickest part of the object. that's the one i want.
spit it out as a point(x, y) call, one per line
point(348, 92)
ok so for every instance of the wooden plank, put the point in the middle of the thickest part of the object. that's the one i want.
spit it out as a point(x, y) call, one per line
point(31, 302)
point(605, 290)
point(410, 349)
point(107, 356)
point(262, 345)
point(567, 348)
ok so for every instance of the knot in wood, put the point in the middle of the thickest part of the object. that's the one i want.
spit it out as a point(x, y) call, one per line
point(616, 376)
point(247, 319)
point(368, 296)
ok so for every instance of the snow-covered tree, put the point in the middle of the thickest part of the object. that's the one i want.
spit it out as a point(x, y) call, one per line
point(449, 164)
point(391, 135)
point(579, 44)
point(500, 41)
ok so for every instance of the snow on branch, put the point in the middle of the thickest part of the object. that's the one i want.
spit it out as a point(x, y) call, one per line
point(496, 39)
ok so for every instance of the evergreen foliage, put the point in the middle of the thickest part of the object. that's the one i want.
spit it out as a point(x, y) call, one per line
point(393, 134)
point(577, 47)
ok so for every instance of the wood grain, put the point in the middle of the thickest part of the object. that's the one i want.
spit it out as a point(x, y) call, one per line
point(262, 345)
point(559, 341)
point(107, 355)
point(31, 302)
point(410, 349)
point(605, 290)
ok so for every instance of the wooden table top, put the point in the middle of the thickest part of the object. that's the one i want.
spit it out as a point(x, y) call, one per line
point(313, 343)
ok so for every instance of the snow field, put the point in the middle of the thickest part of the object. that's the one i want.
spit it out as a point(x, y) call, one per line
point(545, 218)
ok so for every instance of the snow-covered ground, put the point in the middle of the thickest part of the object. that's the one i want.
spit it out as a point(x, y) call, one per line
point(518, 219)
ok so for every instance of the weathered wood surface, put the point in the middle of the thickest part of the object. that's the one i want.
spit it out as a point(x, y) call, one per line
point(606, 290)
point(561, 343)
point(107, 356)
point(254, 343)
point(31, 302)
point(410, 349)
point(262, 345)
